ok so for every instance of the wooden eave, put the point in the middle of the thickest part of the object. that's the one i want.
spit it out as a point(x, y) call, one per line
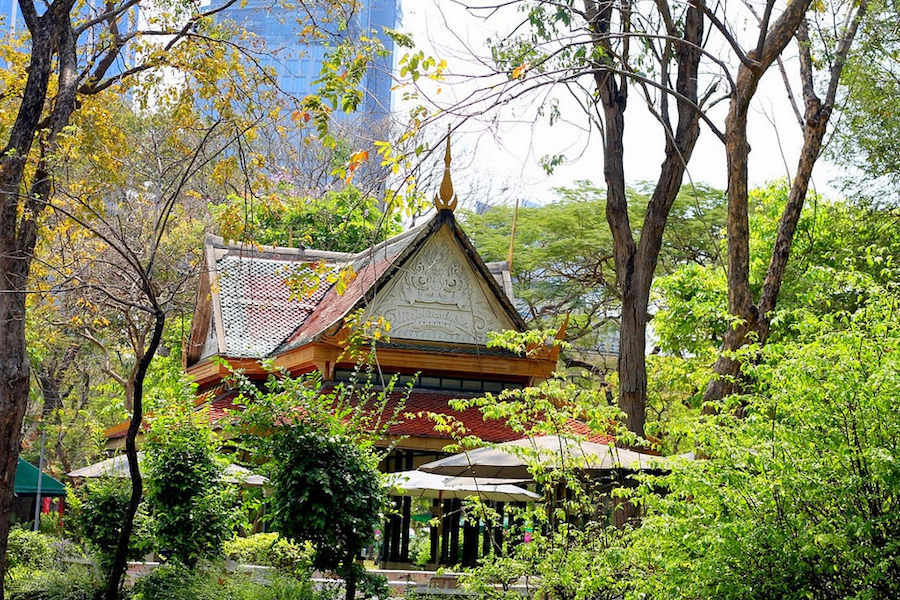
point(325, 357)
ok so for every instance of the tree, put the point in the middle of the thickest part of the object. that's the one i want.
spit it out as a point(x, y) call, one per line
point(41, 113)
point(752, 319)
point(345, 220)
point(866, 140)
point(796, 499)
point(321, 444)
point(604, 53)
point(52, 87)
point(841, 251)
point(563, 258)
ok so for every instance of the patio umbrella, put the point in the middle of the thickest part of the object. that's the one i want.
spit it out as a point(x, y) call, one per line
point(26, 481)
point(419, 484)
point(117, 466)
point(427, 485)
point(511, 460)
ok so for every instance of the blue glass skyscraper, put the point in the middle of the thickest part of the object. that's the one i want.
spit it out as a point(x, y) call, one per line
point(298, 65)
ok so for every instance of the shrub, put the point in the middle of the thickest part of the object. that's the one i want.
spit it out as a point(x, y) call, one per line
point(69, 582)
point(328, 492)
point(172, 581)
point(29, 549)
point(169, 581)
point(194, 510)
point(98, 510)
point(270, 550)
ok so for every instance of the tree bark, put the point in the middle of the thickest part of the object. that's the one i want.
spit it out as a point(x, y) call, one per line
point(16, 253)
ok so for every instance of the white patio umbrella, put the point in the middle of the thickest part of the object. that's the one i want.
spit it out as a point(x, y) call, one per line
point(428, 485)
point(511, 460)
point(419, 484)
point(117, 466)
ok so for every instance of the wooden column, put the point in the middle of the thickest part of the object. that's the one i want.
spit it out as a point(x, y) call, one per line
point(453, 558)
point(433, 531)
point(406, 510)
point(470, 543)
point(445, 537)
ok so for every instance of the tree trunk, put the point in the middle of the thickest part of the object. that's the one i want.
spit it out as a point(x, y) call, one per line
point(15, 263)
point(14, 380)
point(771, 43)
point(117, 569)
point(756, 318)
point(632, 363)
point(350, 574)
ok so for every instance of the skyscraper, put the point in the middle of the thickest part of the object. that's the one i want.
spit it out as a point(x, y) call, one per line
point(298, 65)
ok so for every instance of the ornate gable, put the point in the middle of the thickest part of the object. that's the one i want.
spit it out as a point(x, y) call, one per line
point(438, 295)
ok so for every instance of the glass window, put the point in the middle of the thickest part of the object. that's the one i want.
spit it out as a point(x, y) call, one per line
point(430, 382)
point(493, 386)
point(471, 385)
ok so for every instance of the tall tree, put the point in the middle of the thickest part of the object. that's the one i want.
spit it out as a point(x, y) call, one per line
point(752, 319)
point(73, 54)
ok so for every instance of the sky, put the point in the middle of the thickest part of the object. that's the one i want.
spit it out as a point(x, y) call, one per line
point(504, 147)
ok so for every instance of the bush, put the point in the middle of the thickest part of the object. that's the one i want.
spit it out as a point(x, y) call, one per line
point(43, 567)
point(270, 550)
point(70, 582)
point(29, 549)
point(210, 582)
point(194, 510)
point(328, 491)
point(169, 581)
point(98, 510)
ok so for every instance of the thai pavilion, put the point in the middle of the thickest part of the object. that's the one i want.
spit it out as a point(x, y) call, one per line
point(440, 298)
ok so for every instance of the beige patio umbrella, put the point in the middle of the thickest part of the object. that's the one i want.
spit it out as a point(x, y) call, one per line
point(511, 460)
point(117, 466)
point(419, 484)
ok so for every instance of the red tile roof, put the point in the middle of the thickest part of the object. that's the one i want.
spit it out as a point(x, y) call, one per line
point(414, 421)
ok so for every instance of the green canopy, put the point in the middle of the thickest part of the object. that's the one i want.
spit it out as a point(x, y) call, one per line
point(27, 479)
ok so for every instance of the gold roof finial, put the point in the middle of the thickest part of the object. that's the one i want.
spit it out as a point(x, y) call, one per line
point(446, 199)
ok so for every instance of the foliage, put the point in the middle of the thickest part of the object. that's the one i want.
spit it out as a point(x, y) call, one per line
point(840, 252)
point(43, 567)
point(329, 492)
point(360, 410)
point(269, 550)
point(563, 260)
point(866, 140)
point(30, 549)
point(320, 441)
point(345, 220)
point(575, 551)
point(798, 497)
point(63, 582)
point(97, 508)
point(210, 582)
point(192, 506)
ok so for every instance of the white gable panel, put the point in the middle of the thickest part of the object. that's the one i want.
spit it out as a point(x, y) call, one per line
point(439, 296)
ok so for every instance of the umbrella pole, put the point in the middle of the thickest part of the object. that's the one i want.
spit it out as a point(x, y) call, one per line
point(40, 480)
point(440, 535)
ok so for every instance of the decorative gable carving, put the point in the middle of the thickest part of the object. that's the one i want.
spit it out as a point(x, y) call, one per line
point(438, 296)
